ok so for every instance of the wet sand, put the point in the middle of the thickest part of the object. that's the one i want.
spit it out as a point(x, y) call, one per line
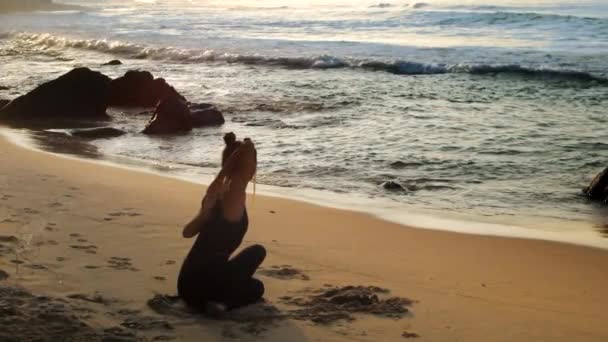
point(91, 252)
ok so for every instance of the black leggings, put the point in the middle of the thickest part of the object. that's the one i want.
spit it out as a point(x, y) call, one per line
point(236, 286)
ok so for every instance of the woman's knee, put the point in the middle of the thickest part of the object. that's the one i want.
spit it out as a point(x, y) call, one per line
point(258, 250)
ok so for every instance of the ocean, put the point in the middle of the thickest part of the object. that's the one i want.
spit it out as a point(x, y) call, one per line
point(489, 113)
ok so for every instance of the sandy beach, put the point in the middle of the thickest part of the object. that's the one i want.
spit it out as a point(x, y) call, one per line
point(84, 247)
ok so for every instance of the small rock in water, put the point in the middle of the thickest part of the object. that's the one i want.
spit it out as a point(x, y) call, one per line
point(598, 189)
point(393, 186)
point(3, 275)
point(207, 117)
point(113, 62)
point(98, 133)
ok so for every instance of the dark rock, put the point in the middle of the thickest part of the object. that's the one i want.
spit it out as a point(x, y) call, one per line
point(98, 133)
point(140, 89)
point(393, 186)
point(4, 88)
point(3, 275)
point(598, 189)
point(171, 116)
point(4, 103)
point(79, 94)
point(207, 117)
point(113, 62)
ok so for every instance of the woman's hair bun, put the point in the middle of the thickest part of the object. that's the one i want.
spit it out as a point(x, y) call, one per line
point(229, 138)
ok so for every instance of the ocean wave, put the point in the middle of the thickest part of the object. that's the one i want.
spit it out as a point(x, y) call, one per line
point(528, 18)
point(419, 5)
point(398, 67)
point(259, 8)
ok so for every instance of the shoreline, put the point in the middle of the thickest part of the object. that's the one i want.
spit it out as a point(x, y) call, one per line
point(583, 234)
point(112, 236)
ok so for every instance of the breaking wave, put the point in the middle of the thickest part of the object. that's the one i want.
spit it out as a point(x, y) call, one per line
point(398, 67)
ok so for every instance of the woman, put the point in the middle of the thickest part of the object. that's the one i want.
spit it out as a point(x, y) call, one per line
point(209, 279)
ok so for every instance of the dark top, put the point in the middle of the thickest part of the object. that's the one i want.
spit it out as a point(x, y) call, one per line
point(210, 252)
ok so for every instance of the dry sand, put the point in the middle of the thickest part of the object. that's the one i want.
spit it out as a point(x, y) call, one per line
point(84, 247)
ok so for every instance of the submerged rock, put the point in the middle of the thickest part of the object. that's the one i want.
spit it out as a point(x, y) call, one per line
point(393, 186)
point(598, 189)
point(98, 133)
point(79, 94)
point(140, 89)
point(171, 116)
point(112, 62)
point(207, 117)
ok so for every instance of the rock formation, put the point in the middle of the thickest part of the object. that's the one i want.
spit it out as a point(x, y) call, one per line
point(79, 94)
point(171, 116)
point(140, 89)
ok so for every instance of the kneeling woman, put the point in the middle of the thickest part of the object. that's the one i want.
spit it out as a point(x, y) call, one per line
point(208, 275)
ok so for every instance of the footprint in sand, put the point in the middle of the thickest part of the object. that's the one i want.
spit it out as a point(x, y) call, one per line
point(91, 267)
point(61, 259)
point(159, 278)
point(407, 334)
point(50, 226)
point(75, 235)
point(30, 211)
point(137, 322)
point(121, 264)
point(8, 249)
point(55, 205)
point(284, 272)
point(89, 249)
point(124, 214)
point(96, 298)
point(36, 267)
point(8, 238)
